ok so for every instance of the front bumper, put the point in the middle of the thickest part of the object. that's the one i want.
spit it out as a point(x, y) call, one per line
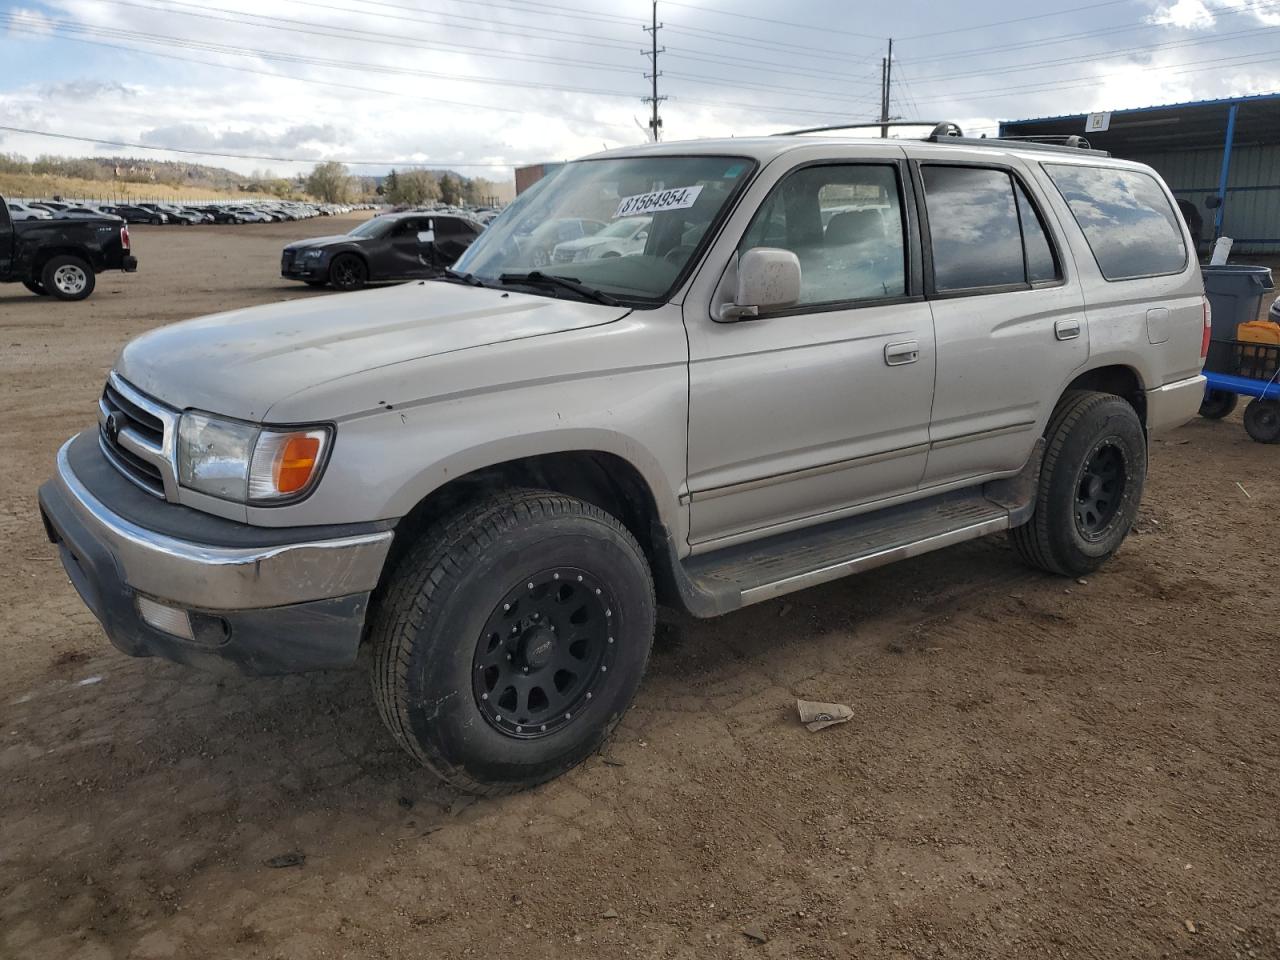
point(304, 269)
point(1173, 404)
point(263, 600)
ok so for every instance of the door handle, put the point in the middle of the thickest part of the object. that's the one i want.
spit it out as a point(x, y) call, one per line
point(896, 354)
point(1066, 329)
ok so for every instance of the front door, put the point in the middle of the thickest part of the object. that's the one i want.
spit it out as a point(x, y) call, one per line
point(1008, 316)
point(799, 415)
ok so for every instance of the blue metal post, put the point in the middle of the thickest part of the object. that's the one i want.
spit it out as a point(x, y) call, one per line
point(1226, 172)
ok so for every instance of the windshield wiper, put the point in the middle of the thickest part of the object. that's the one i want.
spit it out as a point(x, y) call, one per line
point(568, 283)
point(469, 279)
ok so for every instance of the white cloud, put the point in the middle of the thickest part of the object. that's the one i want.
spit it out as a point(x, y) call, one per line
point(1188, 14)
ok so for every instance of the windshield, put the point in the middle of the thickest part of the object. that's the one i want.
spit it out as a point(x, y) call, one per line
point(679, 197)
point(370, 228)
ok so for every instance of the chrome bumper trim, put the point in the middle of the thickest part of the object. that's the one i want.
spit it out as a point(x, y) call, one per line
point(228, 578)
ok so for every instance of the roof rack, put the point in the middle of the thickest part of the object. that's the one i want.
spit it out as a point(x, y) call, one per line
point(1057, 144)
point(868, 124)
point(944, 131)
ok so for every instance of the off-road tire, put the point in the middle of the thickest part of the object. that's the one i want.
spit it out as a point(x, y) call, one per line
point(1217, 404)
point(36, 287)
point(1083, 426)
point(439, 600)
point(50, 278)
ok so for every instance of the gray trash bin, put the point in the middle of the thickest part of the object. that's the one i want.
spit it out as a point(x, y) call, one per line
point(1235, 294)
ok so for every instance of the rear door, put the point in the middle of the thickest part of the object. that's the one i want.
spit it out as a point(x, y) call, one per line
point(1007, 311)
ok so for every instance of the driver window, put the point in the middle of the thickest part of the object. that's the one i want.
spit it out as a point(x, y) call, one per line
point(844, 223)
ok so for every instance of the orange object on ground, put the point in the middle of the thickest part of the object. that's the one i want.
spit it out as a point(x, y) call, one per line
point(1255, 362)
point(1259, 331)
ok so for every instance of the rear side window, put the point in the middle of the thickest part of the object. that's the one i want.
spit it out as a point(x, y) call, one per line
point(984, 231)
point(1132, 229)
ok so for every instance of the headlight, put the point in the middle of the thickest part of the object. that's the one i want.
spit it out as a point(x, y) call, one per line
point(312, 254)
point(247, 463)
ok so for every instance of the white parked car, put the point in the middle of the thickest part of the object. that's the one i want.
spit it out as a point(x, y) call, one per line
point(22, 211)
point(616, 240)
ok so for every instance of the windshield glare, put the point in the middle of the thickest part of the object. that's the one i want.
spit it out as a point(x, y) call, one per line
point(370, 228)
point(676, 198)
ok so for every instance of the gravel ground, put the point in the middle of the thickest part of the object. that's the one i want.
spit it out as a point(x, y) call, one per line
point(1035, 768)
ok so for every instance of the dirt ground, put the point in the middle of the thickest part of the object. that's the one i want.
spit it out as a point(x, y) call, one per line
point(1036, 767)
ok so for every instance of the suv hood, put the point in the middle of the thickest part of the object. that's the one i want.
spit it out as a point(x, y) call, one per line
point(240, 363)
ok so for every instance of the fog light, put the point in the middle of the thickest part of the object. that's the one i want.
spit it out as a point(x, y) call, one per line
point(165, 618)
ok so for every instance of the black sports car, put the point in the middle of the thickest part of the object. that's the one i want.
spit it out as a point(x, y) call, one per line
point(398, 246)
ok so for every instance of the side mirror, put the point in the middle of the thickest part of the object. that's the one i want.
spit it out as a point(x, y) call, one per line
point(768, 279)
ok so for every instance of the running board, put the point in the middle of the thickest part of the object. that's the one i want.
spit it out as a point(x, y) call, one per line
point(764, 569)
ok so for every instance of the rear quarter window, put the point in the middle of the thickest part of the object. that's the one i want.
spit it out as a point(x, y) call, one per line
point(1126, 218)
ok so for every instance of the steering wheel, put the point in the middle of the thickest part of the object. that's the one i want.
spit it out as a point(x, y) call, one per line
point(677, 255)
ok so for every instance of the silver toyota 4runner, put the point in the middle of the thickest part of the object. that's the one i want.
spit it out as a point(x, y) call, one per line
point(821, 355)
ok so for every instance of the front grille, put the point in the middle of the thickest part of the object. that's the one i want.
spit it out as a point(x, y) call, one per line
point(134, 431)
point(562, 256)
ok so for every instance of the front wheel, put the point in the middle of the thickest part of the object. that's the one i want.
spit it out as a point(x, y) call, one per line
point(67, 278)
point(511, 639)
point(1095, 465)
point(348, 272)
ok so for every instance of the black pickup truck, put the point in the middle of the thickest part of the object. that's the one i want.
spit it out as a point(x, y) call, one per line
point(61, 257)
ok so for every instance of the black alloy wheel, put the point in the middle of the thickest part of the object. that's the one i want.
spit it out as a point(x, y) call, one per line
point(544, 652)
point(348, 272)
point(1100, 490)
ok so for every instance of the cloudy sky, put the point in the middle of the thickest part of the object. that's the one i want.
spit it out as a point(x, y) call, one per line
point(480, 86)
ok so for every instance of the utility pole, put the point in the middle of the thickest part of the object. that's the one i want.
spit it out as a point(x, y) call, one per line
point(655, 122)
point(886, 80)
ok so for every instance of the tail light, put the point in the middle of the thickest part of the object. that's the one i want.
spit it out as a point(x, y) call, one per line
point(1208, 329)
point(124, 236)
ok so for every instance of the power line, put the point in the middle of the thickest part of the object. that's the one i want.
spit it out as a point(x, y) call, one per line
point(776, 46)
point(306, 80)
point(1073, 60)
point(251, 156)
point(285, 57)
point(1085, 35)
point(1001, 23)
point(333, 32)
point(781, 23)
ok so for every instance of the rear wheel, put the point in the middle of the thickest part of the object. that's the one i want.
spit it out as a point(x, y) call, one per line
point(67, 278)
point(511, 640)
point(1217, 404)
point(36, 287)
point(1095, 465)
point(348, 272)
point(1262, 420)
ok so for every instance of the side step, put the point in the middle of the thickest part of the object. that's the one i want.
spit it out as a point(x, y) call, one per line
point(763, 569)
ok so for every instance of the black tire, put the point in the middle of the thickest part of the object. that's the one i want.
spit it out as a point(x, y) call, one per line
point(1262, 420)
point(36, 287)
point(348, 272)
point(67, 278)
point(439, 635)
point(1217, 404)
point(1095, 465)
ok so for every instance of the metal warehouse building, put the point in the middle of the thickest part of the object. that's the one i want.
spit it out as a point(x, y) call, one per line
point(1220, 156)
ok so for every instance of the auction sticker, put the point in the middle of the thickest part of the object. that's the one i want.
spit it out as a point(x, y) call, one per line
point(678, 198)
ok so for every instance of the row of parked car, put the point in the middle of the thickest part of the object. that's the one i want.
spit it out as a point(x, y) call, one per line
point(180, 213)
